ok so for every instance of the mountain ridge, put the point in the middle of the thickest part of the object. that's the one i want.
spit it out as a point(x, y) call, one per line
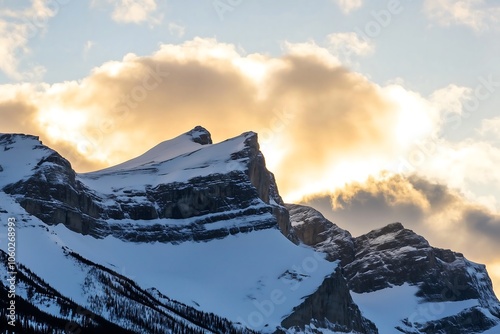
point(197, 214)
point(393, 256)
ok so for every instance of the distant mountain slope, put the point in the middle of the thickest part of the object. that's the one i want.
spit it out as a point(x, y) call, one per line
point(401, 282)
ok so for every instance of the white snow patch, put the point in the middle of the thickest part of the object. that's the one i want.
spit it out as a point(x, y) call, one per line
point(388, 307)
point(176, 160)
point(19, 158)
point(237, 277)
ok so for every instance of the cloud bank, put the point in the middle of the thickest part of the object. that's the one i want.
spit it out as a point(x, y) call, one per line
point(442, 214)
point(319, 122)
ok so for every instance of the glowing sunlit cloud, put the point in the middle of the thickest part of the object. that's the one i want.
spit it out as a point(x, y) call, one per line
point(417, 118)
point(494, 271)
point(320, 124)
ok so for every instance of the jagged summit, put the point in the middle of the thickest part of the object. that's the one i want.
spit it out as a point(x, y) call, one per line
point(186, 183)
point(391, 228)
point(394, 257)
point(22, 155)
point(200, 135)
point(186, 143)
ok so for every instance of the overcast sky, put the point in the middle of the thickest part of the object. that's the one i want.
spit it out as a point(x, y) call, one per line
point(374, 111)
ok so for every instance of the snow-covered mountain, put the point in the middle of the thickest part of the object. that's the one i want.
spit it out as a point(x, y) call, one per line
point(193, 237)
point(400, 282)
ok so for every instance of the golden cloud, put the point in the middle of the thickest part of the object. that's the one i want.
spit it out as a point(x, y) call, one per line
point(443, 215)
point(319, 122)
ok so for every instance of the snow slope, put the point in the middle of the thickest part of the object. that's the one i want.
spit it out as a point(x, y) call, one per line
point(162, 152)
point(241, 277)
point(388, 307)
point(176, 160)
point(19, 156)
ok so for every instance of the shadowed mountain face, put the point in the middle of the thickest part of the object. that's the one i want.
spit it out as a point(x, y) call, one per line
point(394, 256)
point(193, 237)
point(196, 185)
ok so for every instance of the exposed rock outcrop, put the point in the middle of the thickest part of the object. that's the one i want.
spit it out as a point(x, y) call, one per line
point(332, 307)
point(313, 229)
point(56, 194)
point(393, 256)
point(472, 320)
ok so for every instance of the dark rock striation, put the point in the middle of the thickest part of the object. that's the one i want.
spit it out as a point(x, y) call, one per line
point(204, 191)
point(313, 229)
point(393, 256)
point(57, 195)
point(332, 308)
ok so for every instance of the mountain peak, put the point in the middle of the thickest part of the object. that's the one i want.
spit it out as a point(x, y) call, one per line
point(200, 135)
point(7, 138)
point(20, 154)
point(391, 228)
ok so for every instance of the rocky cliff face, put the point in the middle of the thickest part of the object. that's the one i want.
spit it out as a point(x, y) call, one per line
point(188, 190)
point(393, 256)
point(314, 230)
point(243, 189)
point(48, 187)
point(331, 307)
point(54, 195)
